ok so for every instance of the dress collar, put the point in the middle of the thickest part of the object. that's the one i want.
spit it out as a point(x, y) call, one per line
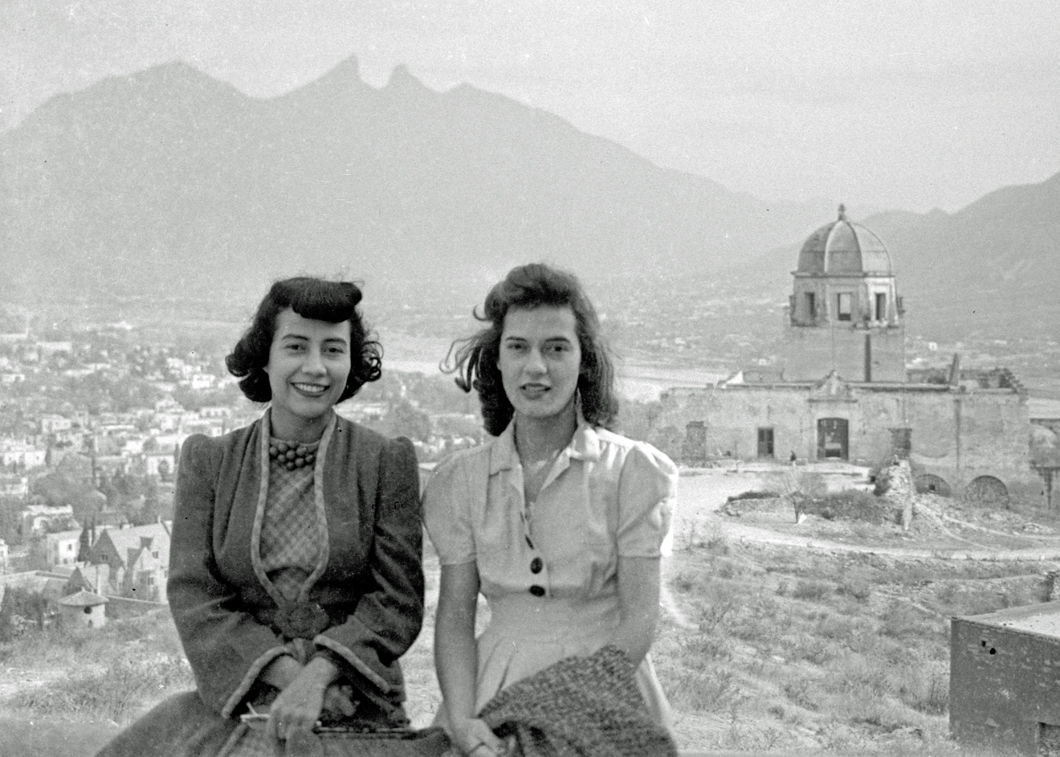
point(583, 445)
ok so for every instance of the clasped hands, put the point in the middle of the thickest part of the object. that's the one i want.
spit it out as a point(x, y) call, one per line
point(306, 692)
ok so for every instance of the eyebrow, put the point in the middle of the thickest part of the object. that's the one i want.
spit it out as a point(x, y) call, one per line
point(547, 339)
point(304, 338)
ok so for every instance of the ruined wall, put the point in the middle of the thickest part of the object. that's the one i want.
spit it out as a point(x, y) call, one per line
point(956, 434)
point(1003, 681)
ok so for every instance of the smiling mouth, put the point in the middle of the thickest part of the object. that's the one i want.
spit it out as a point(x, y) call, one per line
point(535, 390)
point(313, 389)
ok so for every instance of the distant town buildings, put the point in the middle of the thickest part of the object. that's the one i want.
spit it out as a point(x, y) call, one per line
point(843, 391)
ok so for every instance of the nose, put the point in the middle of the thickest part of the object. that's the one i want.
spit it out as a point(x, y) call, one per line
point(535, 362)
point(313, 363)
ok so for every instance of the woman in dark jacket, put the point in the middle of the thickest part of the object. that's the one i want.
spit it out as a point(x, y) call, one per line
point(295, 579)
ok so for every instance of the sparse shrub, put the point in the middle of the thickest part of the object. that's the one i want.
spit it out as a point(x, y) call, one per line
point(706, 646)
point(811, 590)
point(754, 494)
point(926, 687)
point(717, 543)
point(858, 589)
point(684, 582)
point(901, 620)
point(711, 690)
point(727, 569)
point(800, 692)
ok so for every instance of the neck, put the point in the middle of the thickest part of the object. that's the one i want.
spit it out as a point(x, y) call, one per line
point(294, 429)
point(539, 438)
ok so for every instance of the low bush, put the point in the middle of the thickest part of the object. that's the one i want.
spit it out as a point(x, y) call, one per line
point(754, 494)
point(850, 504)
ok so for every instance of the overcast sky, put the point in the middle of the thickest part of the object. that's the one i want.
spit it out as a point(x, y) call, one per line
point(891, 104)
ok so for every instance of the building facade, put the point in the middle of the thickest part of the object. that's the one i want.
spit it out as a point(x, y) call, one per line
point(843, 391)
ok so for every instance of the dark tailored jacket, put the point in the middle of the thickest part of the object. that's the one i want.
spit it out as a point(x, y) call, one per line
point(371, 585)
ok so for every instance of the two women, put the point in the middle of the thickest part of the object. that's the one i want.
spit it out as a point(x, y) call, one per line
point(296, 579)
point(559, 522)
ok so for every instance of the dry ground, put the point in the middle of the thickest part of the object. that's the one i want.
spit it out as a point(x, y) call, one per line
point(826, 636)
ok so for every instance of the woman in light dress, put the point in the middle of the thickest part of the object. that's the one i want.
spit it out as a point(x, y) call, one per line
point(557, 521)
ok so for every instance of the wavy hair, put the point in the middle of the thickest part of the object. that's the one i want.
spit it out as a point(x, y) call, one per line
point(310, 297)
point(474, 360)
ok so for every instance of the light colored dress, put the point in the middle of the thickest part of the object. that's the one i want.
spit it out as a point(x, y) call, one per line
point(549, 569)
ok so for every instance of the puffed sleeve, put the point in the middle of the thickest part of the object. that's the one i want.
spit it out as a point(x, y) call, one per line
point(447, 511)
point(647, 492)
point(225, 646)
point(390, 613)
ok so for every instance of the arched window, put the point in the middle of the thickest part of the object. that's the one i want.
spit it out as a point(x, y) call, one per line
point(987, 490)
point(928, 483)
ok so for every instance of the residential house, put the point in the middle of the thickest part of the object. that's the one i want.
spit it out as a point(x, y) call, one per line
point(39, 519)
point(61, 548)
point(138, 557)
point(13, 485)
point(22, 453)
point(50, 424)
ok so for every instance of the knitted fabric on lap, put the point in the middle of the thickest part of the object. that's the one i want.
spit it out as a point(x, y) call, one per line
point(580, 707)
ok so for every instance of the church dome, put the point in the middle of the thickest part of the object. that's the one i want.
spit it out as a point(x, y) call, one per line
point(843, 248)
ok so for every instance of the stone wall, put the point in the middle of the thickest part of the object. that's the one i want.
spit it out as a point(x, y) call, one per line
point(956, 434)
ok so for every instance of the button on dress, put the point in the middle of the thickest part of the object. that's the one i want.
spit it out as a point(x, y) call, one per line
point(548, 569)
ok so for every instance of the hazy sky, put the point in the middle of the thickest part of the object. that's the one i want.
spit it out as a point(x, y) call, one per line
point(889, 104)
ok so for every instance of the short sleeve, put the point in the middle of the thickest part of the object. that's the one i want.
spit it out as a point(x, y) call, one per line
point(447, 512)
point(647, 493)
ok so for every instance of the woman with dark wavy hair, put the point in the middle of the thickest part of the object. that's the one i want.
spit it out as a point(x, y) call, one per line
point(557, 521)
point(295, 575)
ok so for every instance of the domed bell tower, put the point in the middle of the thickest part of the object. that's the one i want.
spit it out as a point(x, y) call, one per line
point(844, 313)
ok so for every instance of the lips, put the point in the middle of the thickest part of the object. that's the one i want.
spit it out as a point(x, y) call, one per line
point(313, 390)
point(534, 391)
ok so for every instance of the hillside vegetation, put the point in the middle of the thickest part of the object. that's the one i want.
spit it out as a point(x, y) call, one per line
point(762, 646)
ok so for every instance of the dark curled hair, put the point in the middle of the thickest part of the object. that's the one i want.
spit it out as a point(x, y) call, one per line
point(530, 286)
point(321, 300)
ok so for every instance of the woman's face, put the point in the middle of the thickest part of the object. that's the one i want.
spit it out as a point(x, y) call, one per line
point(540, 361)
point(309, 362)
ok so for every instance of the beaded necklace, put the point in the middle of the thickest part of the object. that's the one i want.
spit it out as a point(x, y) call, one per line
point(292, 455)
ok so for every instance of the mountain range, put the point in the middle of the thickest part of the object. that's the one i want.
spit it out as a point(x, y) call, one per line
point(168, 183)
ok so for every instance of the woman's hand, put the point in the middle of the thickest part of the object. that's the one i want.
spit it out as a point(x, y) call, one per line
point(300, 702)
point(338, 701)
point(473, 738)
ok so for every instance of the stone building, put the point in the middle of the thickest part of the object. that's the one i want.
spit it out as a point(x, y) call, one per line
point(83, 609)
point(843, 391)
point(1004, 673)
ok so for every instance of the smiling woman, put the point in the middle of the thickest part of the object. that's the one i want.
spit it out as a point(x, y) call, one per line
point(295, 580)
